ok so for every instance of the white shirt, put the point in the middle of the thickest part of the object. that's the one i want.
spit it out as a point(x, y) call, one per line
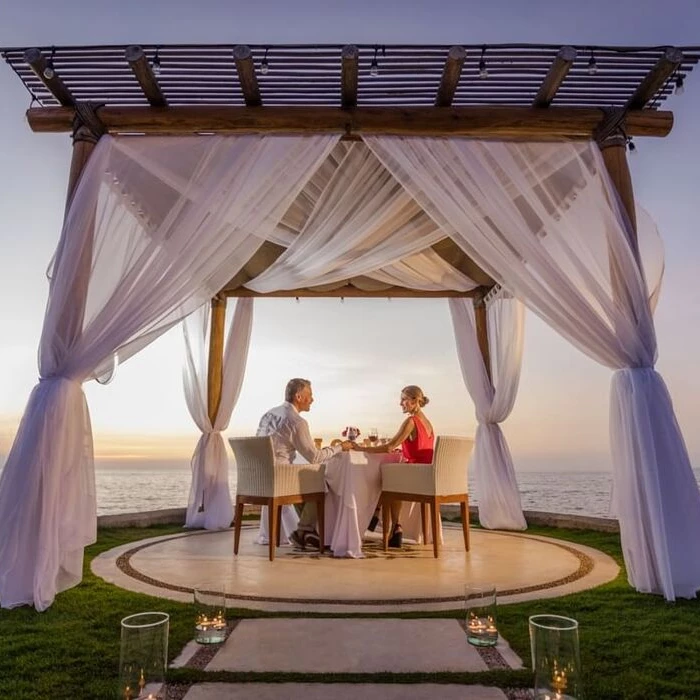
point(290, 433)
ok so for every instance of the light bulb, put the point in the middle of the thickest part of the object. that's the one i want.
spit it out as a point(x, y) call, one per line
point(483, 70)
point(679, 86)
point(374, 67)
point(264, 67)
point(156, 66)
point(49, 71)
point(592, 66)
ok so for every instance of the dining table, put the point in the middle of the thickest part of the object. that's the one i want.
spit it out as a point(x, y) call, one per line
point(353, 488)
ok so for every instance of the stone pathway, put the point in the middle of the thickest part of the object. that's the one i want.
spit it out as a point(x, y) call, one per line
point(336, 645)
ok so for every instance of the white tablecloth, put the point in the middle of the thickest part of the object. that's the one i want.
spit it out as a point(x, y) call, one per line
point(353, 480)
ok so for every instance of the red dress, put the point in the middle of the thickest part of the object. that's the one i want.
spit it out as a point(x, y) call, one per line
point(420, 449)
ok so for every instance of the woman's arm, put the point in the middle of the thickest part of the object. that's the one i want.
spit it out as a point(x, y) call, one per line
point(404, 431)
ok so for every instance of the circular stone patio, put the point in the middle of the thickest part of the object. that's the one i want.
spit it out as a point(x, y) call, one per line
point(522, 566)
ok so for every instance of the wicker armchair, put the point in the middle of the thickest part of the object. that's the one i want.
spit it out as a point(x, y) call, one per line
point(262, 482)
point(443, 481)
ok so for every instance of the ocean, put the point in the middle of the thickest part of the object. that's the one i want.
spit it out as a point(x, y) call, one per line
point(125, 490)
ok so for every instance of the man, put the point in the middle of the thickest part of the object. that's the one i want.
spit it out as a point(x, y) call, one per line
point(290, 434)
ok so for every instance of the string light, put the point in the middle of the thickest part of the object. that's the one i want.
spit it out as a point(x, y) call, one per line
point(49, 71)
point(156, 63)
point(483, 71)
point(679, 85)
point(592, 65)
point(374, 65)
point(631, 146)
point(264, 65)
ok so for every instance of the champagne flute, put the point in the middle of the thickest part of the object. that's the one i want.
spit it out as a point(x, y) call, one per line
point(373, 435)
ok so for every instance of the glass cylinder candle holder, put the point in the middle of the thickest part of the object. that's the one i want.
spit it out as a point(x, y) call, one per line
point(480, 609)
point(210, 615)
point(144, 656)
point(555, 657)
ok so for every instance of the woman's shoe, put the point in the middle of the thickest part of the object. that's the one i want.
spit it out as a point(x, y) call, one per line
point(396, 539)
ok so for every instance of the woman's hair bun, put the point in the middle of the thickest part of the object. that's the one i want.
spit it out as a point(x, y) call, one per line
point(424, 400)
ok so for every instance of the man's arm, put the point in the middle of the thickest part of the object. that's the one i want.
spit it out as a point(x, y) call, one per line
point(305, 446)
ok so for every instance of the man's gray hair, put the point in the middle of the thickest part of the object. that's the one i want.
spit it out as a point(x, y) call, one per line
point(293, 386)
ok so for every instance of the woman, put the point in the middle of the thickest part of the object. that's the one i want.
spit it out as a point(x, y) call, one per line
point(416, 439)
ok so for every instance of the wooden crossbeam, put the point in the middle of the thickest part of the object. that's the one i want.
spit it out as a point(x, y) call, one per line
point(245, 66)
point(38, 63)
point(516, 123)
point(349, 291)
point(665, 67)
point(555, 76)
point(144, 74)
point(452, 254)
point(451, 72)
point(350, 65)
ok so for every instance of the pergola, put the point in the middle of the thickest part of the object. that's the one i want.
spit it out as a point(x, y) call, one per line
point(505, 93)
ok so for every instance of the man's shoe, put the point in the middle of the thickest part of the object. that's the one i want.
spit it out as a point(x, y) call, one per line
point(312, 540)
point(298, 539)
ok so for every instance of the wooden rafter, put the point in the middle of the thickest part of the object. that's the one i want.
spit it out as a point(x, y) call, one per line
point(48, 76)
point(655, 80)
point(478, 122)
point(350, 66)
point(138, 61)
point(245, 66)
point(450, 76)
point(452, 254)
point(555, 76)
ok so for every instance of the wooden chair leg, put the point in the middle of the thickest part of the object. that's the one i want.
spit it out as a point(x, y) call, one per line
point(321, 517)
point(435, 518)
point(279, 525)
point(424, 521)
point(464, 511)
point(238, 518)
point(273, 526)
point(386, 516)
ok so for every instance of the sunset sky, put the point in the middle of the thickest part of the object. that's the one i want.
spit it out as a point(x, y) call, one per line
point(359, 353)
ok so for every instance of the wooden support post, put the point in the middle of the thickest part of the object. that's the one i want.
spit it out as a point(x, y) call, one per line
point(451, 73)
point(243, 57)
point(482, 334)
point(215, 376)
point(614, 150)
point(350, 68)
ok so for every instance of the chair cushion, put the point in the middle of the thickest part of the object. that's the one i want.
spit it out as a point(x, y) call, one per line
point(409, 478)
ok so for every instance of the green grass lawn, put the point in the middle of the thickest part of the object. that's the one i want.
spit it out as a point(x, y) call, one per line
point(632, 645)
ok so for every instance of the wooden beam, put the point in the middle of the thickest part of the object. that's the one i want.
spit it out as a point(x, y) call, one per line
point(450, 76)
point(518, 123)
point(452, 254)
point(482, 334)
point(349, 291)
point(215, 368)
point(665, 67)
point(614, 151)
point(555, 76)
point(243, 57)
point(38, 63)
point(144, 74)
point(350, 64)
point(263, 257)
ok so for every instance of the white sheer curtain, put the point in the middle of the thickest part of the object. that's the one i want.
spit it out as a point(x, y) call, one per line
point(546, 222)
point(358, 222)
point(499, 499)
point(156, 227)
point(209, 505)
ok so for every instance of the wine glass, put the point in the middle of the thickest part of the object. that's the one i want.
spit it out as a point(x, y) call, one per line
point(373, 435)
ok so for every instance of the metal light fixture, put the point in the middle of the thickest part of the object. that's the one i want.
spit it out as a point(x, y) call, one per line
point(679, 85)
point(49, 71)
point(592, 65)
point(264, 65)
point(374, 65)
point(483, 70)
point(156, 63)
